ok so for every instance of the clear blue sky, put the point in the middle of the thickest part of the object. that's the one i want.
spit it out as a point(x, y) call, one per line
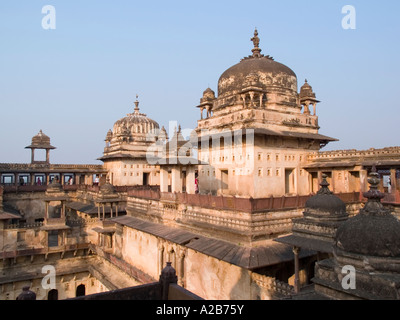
point(75, 81)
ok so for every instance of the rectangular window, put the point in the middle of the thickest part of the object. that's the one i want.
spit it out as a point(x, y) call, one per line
point(53, 238)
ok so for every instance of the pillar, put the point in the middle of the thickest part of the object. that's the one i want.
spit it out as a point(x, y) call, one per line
point(46, 211)
point(180, 267)
point(47, 155)
point(163, 179)
point(393, 180)
point(62, 209)
point(296, 251)
point(160, 257)
point(190, 180)
point(363, 181)
point(176, 179)
point(306, 109)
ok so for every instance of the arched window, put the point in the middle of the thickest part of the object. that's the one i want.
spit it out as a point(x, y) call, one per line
point(52, 295)
point(80, 290)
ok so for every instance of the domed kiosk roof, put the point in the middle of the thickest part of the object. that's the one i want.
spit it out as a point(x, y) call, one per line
point(40, 141)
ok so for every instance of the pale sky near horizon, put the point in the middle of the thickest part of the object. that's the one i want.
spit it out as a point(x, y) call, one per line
point(74, 81)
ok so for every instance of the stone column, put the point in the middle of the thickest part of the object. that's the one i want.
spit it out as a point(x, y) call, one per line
point(363, 181)
point(32, 155)
point(176, 179)
point(296, 251)
point(62, 209)
point(160, 256)
point(163, 179)
point(181, 268)
point(77, 178)
point(393, 180)
point(47, 155)
point(190, 180)
point(46, 211)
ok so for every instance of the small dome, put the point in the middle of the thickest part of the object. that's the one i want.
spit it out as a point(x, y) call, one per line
point(107, 188)
point(374, 231)
point(208, 95)
point(133, 124)
point(306, 91)
point(325, 205)
point(41, 141)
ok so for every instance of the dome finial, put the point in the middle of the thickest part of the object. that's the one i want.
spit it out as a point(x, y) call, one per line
point(324, 185)
point(373, 194)
point(256, 42)
point(137, 104)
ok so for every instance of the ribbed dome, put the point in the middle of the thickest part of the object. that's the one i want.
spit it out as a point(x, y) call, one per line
point(134, 123)
point(41, 141)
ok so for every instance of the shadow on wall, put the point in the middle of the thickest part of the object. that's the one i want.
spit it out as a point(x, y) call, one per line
point(30, 209)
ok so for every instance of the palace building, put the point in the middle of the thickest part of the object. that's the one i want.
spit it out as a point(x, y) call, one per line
point(247, 207)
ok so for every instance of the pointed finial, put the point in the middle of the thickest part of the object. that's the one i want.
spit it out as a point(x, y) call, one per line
point(256, 42)
point(137, 104)
point(324, 185)
point(255, 39)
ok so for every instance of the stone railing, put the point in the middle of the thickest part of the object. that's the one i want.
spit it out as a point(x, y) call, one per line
point(272, 287)
point(35, 188)
point(44, 250)
point(233, 203)
point(81, 221)
point(353, 153)
point(25, 225)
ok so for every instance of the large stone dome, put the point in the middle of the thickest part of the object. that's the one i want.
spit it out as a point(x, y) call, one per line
point(256, 69)
point(269, 73)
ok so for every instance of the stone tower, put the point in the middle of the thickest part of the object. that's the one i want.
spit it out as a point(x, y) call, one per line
point(257, 131)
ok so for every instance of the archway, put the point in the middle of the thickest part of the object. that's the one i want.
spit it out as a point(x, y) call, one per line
point(80, 290)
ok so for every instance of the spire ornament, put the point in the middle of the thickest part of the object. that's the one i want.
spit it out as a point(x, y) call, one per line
point(137, 104)
point(256, 42)
point(256, 50)
point(324, 186)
